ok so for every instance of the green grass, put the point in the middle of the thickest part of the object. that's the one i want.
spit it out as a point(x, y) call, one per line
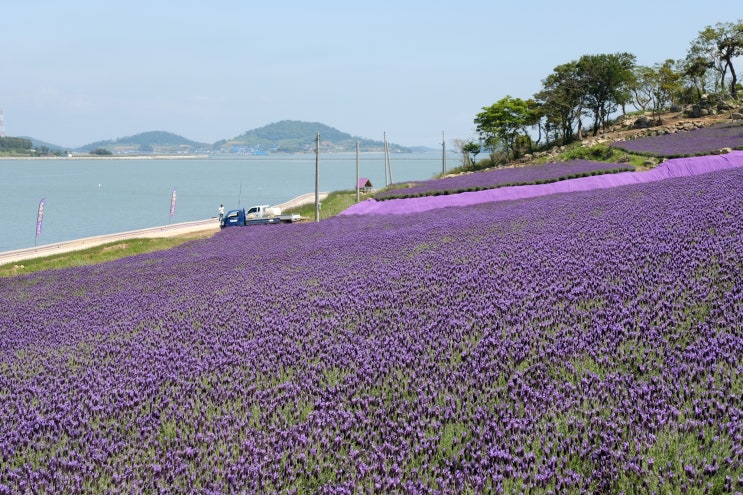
point(98, 254)
point(333, 204)
point(575, 151)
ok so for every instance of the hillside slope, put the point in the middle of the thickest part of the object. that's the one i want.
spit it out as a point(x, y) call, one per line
point(584, 342)
point(153, 141)
point(296, 136)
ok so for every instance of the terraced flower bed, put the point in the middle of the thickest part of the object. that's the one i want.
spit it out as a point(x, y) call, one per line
point(576, 343)
point(536, 174)
point(697, 142)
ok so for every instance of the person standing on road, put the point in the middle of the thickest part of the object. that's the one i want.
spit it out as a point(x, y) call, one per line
point(221, 212)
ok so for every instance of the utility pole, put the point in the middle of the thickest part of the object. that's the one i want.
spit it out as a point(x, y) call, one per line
point(357, 171)
point(387, 167)
point(443, 154)
point(317, 178)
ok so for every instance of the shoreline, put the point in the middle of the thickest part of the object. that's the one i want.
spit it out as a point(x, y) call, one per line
point(172, 230)
point(93, 157)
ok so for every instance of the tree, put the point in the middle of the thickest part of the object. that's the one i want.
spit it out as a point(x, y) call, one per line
point(668, 84)
point(642, 89)
point(472, 149)
point(469, 150)
point(500, 124)
point(696, 72)
point(716, 48)
point(561, 102)
point(655, 87)
point(534, 119)
point(100, 152)
point(730, 46)
point(11, 143)
point(605, 79)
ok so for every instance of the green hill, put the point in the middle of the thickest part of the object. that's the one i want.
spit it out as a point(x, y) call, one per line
point(39, 144)
point(148, 142)
point(287, 136)
point(296, 136)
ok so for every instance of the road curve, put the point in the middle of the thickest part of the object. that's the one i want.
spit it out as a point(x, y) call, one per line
point(67, 246)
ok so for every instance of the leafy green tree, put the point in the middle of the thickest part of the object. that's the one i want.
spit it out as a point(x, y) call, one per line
point(10, 143)
point(469, 150)
point(100, 152)
point(534, 119)
point(472, 149)
point(655, 87)
point(716, 48)
point(668, 84)
point(605, 80)
point(500, 124)
point(561, 102)
point(696, 71)
point(642, 89)
point(730, 46)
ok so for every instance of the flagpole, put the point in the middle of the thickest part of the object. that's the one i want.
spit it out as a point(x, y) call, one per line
point(172, 207)
point(39, 219)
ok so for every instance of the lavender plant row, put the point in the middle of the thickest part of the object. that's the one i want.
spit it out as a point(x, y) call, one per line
point(677, 167)
point(577, 343)
point(491, 179)
point(692, 143)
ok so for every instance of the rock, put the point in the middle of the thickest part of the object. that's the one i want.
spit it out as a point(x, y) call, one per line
point(643, 122)
point(724, 106)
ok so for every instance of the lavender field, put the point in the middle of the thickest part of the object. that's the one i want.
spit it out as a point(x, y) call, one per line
point(700, 141)
point(674, 168)
point(589, 342)
point(491, 179)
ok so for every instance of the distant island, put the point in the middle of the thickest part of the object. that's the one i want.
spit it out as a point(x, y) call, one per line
point(286, 136)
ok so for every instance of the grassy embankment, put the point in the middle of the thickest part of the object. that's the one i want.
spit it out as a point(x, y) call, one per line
point(98, 254)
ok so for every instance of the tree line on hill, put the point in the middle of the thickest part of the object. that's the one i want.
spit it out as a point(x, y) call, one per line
point(285, 136)
point(597, 86)
point(18, 146)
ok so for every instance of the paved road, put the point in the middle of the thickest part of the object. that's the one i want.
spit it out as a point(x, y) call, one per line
point(210, 224)
point(304, 199)
point(67, 246)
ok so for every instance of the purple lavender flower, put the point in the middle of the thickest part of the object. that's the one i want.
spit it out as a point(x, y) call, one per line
point(543, 344)
point(700, 141)
point(492, 179)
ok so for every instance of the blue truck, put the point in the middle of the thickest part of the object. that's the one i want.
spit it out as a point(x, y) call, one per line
point(257, 215)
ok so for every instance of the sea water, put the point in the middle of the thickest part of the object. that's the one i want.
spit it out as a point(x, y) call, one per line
point(90, 197)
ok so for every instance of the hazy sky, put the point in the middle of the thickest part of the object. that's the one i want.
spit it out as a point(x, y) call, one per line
point(77, 71)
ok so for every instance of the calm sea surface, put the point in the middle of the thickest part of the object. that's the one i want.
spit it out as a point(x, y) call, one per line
point(86, 198)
